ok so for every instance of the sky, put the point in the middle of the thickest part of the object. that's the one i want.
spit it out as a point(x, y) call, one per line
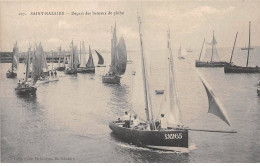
point(189, 22)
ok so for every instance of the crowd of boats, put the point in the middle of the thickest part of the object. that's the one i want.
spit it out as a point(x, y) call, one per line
point(166, 133)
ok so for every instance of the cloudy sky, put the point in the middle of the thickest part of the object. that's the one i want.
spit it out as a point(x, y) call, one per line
point(189, 22)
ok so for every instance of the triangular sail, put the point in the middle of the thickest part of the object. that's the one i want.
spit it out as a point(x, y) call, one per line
point(112, 68)
point(215, 107)
point(100, 58)
point(76, 57)
point(83, 55)
point(174, 116)
point(90, 63)
point(121, 58)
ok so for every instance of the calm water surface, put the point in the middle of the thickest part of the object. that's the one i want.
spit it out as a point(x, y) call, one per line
point(67, 121)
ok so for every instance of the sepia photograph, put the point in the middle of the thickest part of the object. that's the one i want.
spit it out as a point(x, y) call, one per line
point(160, 81)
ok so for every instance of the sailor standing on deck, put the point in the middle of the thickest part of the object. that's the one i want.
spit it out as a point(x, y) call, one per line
point(163, 122)
point(135, 121)
point(127, 119)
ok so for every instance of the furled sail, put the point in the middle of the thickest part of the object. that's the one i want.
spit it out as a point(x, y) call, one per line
point(83, 55)
point(90, 63)
point(15, 61)
point(121, 58)
point(174, 116)
point(112, 68)
point(100, 58)
point(212, 53)
point(215, 107)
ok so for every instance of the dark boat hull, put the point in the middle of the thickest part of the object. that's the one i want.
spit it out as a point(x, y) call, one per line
point(239, 69)
point(210, 64)
point(60, 68)
point(85, 70)
point(170, 140)
point(101, 66)
point(11, 75)
point(111, 79)
point(26, 90)
point(71, 71)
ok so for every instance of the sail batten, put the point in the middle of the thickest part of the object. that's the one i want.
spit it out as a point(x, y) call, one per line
point(215, 107)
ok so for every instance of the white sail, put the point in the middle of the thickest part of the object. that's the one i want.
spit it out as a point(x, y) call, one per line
point(215, 107)
point(113, 52)
point(15, 61)
point(83, 55)
point(76, 57)
point(174, 115)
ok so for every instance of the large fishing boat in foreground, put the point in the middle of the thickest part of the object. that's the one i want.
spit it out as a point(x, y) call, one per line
point(118, 60)
point(231, 68)
point(11, 73)
point(173, 137)
point(214, 53)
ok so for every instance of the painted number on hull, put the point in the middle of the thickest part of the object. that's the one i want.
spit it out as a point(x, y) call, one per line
point(173, 136)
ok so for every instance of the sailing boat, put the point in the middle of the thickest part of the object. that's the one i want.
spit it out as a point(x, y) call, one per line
point(26, 87)
point(118, 60)
point(231, 68)
point(100, 60)
point(246, 48)
point(173, 137)
point(11, 73)
point(73, 62)
point(82, 54)
point(214, 53)
point(90, 67)
point(181, 53)
point(61, 67)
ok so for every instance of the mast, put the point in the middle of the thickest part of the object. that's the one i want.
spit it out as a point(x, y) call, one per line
point(144, 79)
point(212, 47)
point(202, 48)
point(248, 45)
point(72, 58)
point(233, 49)
point(59, 56)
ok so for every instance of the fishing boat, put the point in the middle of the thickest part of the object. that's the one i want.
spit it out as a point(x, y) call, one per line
point(231, 68)
point(214, 55)
point(246, 48)
point(61, 66)
point(118, 60)
point(159, 92)
point(73, 61)
point(82, 54)
point(174, 136)
point(90, 64)
point(181, 53)
point(100, 60)
point(27, 87)
point(11, 73)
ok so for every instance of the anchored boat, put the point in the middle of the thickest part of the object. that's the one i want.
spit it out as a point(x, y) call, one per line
point(73, 61)
point(214, 54)
point(174, 136)
point(11, 73)
point(231, 68)
point(118, 60)
point(61, 66)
